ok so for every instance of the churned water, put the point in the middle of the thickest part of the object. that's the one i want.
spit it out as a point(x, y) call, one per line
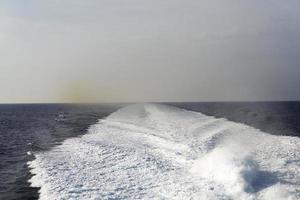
point(150, 151)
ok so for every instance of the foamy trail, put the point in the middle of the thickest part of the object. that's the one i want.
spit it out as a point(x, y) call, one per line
point(151, 151)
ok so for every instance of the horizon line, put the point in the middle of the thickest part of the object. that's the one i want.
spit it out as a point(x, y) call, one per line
point(87, 103)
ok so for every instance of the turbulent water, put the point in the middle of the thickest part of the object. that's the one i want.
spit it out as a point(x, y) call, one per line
point(152, 151)
point(30, 128)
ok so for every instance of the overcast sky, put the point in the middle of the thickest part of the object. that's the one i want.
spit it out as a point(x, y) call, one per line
point(155, 50)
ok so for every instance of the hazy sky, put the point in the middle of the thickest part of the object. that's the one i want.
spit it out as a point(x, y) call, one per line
point(155, 50)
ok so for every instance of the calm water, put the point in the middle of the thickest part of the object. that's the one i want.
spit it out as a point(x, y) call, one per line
point(27, 128)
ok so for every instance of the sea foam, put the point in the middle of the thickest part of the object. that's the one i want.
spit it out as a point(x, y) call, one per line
point(151, 151)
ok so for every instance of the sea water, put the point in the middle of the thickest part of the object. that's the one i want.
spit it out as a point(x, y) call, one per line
point(150, 151)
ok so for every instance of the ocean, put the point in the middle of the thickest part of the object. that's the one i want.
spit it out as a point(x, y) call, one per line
point(150, 151)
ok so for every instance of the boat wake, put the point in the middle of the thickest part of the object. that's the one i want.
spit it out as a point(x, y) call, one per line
point(151, 151)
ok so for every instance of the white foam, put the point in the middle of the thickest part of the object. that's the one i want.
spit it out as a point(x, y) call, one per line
point(152, 151)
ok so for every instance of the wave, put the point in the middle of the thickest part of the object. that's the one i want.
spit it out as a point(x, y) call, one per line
point(152, 151)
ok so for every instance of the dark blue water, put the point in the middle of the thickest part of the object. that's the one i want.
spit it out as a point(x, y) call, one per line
point(278, 118)
point(26, 128)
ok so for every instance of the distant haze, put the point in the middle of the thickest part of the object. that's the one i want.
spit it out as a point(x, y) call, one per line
point(156, 50)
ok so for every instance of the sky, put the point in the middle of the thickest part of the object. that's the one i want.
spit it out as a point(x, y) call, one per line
point(156, 50)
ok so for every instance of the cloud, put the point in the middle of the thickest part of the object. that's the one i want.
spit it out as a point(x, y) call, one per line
point(154, 50)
